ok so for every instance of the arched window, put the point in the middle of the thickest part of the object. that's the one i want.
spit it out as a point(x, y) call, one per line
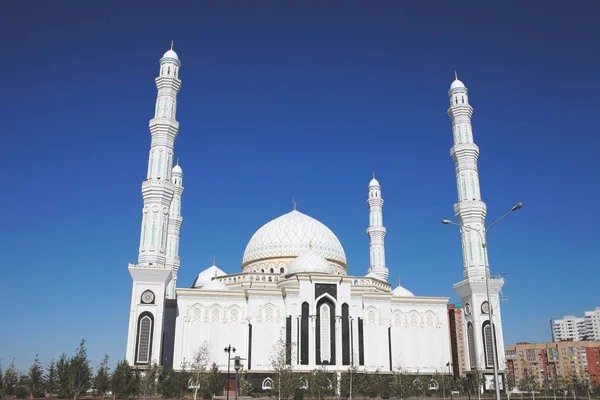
point(471, 345)
point(281, 270)
point(488, 345)
point(325, 311)
point(168, 70)
point(272, 270)
point(143, 348)
point(267, 384)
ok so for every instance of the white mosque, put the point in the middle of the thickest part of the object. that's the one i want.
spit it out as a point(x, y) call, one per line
point(293, 284)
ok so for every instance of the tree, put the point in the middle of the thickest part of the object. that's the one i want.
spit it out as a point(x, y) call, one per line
point(50, 379)
point(148, 380)
point(1, 378)
point(285, 382)
point(80, 373)
point(199, 380)
point(528, 382)
point(10, 379)
point(215, 381)
point(319, 385)
point(63, 367)
point(122, 381)
point(35, 380)
point(102, 378)
point(244, 386)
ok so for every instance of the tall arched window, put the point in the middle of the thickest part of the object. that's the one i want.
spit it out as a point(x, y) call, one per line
point(304, 334)
point(488, 344)
point(325, 332)
point(471, 345)
point(143, 349)
point(325, 311)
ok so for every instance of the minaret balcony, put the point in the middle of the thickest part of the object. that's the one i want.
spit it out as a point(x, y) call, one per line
point(168, 82)
point(164, 121)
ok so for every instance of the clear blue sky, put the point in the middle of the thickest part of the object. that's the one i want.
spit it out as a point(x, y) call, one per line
point(283, 100)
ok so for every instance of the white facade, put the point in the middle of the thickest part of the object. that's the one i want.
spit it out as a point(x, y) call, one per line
point(470, 211)
point(578, 328)
point(292, 283)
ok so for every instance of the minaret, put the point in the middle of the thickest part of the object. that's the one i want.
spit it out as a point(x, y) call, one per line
point(157, 189)
point(376, 231)
point(470, 211)
point(161, 191)
point(175, 221)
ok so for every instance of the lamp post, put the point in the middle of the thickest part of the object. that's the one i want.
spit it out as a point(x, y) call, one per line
point(487, 286)
point(228, 350)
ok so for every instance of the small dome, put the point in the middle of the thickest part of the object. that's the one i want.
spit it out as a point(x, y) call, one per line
point(177, 170)
point(215, 285)
point(310, 261)
point(402, 292)
point(171, 54)
point(374, 182)
point(457, 85)
point(206, 276)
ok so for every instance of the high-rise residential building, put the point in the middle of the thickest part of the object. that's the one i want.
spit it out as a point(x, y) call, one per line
point(547, 361)
point(456, 324)
point(575, 328)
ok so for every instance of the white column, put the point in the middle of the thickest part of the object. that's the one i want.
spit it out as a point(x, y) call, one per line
point(376, 231)
point(338, 340)
point(175, 221)
point(312, 353)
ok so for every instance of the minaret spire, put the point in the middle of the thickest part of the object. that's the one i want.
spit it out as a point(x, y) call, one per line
point(160, 191)
point(470, 209)
point(171, 44)
point(376, 231)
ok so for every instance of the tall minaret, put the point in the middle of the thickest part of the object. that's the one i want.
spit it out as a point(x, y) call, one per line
point(470, 211)
point(175, 221)
point(376, 231)
point(157, 189)
point(161, 192)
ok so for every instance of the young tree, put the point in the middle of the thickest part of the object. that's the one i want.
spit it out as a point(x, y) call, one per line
point(319, 385)
point(122, 381)
point(198, 369)
point(10, 379)
point(149, 380)
point(215, 381)
point(50, 379)
point(285, 382)
point(102, 378)
point(80, 373)
point(244, 386)
point(174, 384)
point(528, 382)
point(1, 378)
point(63, 367)
point(35, 380)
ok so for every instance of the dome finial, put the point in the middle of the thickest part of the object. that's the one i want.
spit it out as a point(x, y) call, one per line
point(373, 175)
point(171, 44)
point(295, 204)
point(215, 261)
point(455, 75)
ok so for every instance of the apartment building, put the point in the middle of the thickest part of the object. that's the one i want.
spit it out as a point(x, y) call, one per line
point(575, 328)
point(562, 359)
point(457, 338)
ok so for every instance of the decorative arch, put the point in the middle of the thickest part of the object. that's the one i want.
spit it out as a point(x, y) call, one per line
point(398, 318)
point(328, 297)
point(267, 384)
point(267, 312)
point(145, 335)
point(471, 345)
point(325, 332)
point(488, 344)
point(430, 319)
point(214, 313)
point(234, 313)
point(372, 315)
point(196, 311)
point(414, 319)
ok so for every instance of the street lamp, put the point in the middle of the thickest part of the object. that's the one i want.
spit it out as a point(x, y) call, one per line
point(487, 286)
point(228, 350)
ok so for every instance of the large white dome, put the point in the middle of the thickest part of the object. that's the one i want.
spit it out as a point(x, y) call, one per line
point(289, 236)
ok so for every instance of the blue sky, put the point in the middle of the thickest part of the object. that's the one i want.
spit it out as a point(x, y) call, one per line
point(285, 100)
